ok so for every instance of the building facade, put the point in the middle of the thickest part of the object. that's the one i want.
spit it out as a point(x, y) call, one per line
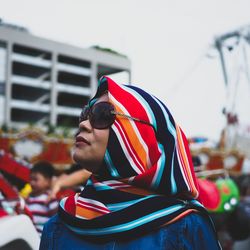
point(43, 82)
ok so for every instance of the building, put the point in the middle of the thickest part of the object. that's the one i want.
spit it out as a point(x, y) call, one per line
point(43, 82)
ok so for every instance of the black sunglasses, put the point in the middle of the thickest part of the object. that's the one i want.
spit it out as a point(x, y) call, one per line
point(102, 115)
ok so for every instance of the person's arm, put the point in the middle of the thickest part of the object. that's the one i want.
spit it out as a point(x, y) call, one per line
point(66, 181)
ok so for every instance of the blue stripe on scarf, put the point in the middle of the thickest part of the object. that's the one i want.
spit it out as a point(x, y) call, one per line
point(173, 182)
point(110, 165)
point(162, 160)
point(130, 225)
point(170, 126)
point(121, 205)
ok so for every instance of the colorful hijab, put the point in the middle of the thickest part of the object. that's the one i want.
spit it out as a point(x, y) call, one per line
point(146, 180)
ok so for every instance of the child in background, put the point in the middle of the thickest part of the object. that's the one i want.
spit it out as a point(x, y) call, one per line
point(37, 202)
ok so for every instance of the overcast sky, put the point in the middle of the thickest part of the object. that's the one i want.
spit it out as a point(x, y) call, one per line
point(169, 43)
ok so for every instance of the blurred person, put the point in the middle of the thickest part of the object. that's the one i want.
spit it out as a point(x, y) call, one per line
point(243, 182)
point(238, 223)
point(142, 191)
point(37, 203)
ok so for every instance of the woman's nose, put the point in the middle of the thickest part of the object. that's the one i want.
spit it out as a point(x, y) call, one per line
point(85, 125)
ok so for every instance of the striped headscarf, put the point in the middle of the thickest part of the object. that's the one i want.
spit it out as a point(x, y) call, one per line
point(146, 180)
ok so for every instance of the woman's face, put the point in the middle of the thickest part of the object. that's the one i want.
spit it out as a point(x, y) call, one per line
point(91, 144)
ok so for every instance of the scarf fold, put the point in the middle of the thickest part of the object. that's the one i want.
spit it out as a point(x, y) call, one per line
point(146, 180)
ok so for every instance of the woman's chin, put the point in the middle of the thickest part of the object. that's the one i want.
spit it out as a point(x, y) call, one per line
point(91, 166)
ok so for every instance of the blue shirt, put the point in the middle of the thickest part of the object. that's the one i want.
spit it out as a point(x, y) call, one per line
point(191, 232)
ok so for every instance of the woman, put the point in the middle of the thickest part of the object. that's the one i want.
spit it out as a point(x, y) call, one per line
point(142, 191)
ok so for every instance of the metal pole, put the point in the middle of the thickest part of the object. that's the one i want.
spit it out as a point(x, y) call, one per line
point(218, 45)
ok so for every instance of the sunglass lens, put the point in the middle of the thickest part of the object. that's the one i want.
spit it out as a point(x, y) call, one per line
point(84, 114)
point(101, 115)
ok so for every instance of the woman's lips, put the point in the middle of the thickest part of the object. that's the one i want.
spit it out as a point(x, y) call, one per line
point(81, 140)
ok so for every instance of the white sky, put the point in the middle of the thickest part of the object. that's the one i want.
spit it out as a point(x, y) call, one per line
point(167, 41)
